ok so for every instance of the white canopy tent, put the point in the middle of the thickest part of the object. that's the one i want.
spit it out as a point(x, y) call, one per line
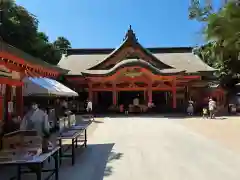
point(45, 87)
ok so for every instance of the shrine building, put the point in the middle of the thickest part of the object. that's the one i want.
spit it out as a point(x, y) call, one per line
point(168, 77)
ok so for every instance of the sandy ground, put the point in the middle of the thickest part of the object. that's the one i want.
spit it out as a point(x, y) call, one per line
point(158, 149)
point(153, 149)
point(224, 130)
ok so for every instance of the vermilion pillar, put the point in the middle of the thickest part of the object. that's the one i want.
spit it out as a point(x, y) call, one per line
point(114, 95)
point(174, 92)
point(8, 95)
point(150, 93)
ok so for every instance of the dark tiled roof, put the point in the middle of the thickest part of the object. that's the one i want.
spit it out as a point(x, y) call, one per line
point(187, 61)
point(132, 62)
point(4, 47)
point(80, 60)
point(106, 51)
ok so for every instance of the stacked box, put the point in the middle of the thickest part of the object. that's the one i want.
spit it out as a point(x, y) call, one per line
point(21, 143)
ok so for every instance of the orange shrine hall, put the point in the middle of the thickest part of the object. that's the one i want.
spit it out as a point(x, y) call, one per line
point(168, 77)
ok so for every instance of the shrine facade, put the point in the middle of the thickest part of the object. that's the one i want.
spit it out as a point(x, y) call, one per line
point(164, 76)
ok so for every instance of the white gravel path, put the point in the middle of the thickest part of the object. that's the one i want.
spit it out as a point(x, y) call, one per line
point(151, 149)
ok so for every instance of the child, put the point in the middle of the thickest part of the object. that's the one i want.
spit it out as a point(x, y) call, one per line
point(205, 113)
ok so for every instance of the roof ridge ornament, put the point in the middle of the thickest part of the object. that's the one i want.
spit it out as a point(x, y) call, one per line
point(130, 34)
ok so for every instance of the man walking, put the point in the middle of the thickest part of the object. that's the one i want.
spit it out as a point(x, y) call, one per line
point(212, 108)
point(89, 106)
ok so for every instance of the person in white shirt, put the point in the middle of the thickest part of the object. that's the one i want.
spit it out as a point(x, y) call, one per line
point(37, 120)
point(212, 107)
point(89, 106)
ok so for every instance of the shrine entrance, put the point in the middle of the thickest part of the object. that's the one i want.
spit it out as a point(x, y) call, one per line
point(153, 90)
point(161, 101)
point(159, 98)
point(104, 100)
point(127, 97)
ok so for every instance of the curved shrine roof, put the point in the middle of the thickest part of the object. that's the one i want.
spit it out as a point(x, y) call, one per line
point(78, 63)
point(129, 63)
point(159, 60)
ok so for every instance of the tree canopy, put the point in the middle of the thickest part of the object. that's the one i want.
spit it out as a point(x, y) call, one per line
point(20, 29)
point(222, 34)
point(62, 44)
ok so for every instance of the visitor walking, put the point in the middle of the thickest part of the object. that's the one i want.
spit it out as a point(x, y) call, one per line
point(190, 108)
point(212, 108)
point(89, 106)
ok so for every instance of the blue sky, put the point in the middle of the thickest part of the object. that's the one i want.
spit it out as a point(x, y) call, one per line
point(103, 23)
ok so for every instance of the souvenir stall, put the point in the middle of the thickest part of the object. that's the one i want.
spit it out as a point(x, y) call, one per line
point(46, 88)
point(14, 66)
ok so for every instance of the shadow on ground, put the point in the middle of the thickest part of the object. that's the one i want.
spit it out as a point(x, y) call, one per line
point(95, 121)
point(94, 163)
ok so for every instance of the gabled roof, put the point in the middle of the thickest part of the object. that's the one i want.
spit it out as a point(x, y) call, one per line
point(129, 63)
point(80, 60)
point(130, 44)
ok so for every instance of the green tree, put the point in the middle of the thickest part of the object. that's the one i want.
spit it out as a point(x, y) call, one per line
point(62, 43)
point(222, 33)
point(20, 29)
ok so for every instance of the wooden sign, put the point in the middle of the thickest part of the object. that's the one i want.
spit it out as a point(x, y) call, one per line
point(132, 74)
